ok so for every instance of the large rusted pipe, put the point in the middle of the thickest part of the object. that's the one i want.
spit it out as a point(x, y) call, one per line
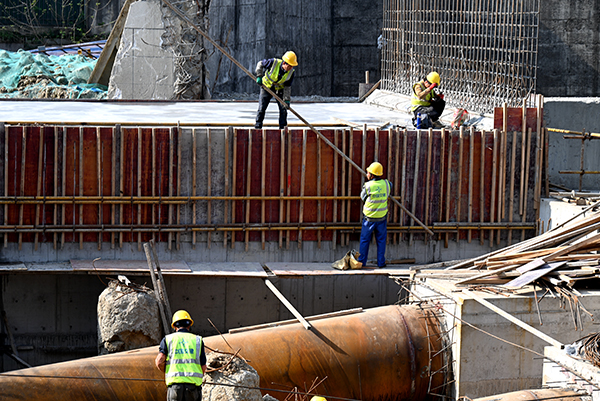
point(378, 354)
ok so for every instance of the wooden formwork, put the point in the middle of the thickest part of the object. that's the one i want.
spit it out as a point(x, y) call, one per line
point(129, 184)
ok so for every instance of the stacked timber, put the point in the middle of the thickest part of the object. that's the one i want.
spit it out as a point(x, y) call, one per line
point(560, 257)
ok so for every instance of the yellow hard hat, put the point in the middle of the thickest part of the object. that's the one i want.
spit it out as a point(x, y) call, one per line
point(375, 168)
point(290, 58)
point(317, 398)
point(433, 77)
point(181, 315)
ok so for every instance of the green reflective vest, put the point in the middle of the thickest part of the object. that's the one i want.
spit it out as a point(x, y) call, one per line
point(416, 102)
point(377, 192)
point(183, 361)
point(270, 79)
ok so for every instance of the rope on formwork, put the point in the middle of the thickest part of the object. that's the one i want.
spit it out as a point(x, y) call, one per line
point(312, 127)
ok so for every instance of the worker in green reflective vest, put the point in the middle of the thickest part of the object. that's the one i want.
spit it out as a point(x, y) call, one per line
point(277, 75)
point(182, 358)
point(375, 193)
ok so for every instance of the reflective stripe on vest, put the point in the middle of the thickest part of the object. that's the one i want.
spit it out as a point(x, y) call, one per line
point(183, 362)
point(378, 192)
point(270, 79)
point(416, 102)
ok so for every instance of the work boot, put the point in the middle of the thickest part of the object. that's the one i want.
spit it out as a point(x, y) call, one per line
point(437, 124)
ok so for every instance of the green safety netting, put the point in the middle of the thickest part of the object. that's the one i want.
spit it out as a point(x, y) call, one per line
point(38, 76)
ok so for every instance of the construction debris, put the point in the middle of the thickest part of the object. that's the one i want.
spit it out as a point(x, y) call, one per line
point(128, 318)
point(229, 377)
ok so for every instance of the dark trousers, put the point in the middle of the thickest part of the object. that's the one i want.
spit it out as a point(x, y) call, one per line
point(379, 228)
point(434, 111)
point(184, 392)
point(263, 103)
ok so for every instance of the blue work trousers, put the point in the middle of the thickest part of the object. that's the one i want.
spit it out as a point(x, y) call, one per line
point(379, 228)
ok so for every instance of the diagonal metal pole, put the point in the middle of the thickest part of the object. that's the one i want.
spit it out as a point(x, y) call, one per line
point(183, 17)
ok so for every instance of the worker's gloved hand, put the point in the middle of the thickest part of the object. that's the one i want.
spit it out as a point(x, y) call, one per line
point(259, 80)
point(441, 96)
point(433, 85)
point(287, 103)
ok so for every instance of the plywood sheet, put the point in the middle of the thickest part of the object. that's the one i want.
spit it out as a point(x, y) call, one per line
point(315, 269)
point(128, 266)
point(243, 269)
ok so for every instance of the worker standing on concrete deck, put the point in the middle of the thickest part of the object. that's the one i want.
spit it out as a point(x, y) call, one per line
point(182, 357)
point(427, 102)
point(277, 75)
point(375, 194)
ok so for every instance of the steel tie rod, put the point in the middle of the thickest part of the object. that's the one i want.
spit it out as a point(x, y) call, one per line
point(183, 17)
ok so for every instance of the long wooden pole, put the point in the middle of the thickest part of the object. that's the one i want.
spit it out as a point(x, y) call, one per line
point(182, 16)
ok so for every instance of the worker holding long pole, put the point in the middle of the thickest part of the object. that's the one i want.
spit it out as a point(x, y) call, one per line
point(183, 17)
point(277, 75)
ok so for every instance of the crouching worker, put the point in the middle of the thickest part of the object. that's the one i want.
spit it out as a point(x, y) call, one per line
point(427, 102)
point(182, 358)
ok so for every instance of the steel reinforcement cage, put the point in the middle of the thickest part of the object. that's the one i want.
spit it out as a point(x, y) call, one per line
point(485, 51)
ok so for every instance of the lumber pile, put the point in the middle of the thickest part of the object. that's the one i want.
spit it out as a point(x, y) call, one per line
point(560, 257)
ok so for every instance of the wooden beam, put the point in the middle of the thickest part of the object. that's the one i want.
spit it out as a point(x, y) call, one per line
point(288, 305)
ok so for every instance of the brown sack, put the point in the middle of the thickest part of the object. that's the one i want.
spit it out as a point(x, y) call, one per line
point(349, 261)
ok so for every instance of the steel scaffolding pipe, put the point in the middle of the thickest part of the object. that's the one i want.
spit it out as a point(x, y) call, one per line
point(390, 353)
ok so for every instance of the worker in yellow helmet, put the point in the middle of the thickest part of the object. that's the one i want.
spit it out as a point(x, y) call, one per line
point(375, 195)
point(182, 358)
point(318, 398)
point(427, 102)
point(277, 75)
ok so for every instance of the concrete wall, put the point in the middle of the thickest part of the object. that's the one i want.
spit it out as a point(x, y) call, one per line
point(484, 365)
point(574, 114)
point(569, 48)
point(143, 69)
point(52, 317)
point(335, 41)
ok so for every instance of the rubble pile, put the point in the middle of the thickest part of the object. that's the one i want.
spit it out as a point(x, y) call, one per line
point(128, 318)
point(230, 378)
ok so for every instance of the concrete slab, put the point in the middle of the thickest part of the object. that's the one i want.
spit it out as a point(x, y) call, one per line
point(200, 113)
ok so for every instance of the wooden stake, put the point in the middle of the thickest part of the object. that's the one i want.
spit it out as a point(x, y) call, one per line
point(39, 184)
point(524, 216)
point(80, 183)
point(248, 186)
point(208, 185)
point(194, 183)
point(511, 192)
point(178, 211)
point(233, 185)
point(99, 173)
point(415, 184)
point(226, 203)
point(302, 185)
point(289, 191)
point(262, 184)
point(494, 179)
point(481, 188)
point(21, 184)
point(397, 183)
point(428, 178)
point(470, 200)
point(344, 184)
point(54, 189)
point(139, 184)
point(281, 182)
point(448, 184)
point(335, 188)
point(319, 206)
point(441, 176)
point(351, 155)
point(461, 139)
point(64, 184)
point(6, 180)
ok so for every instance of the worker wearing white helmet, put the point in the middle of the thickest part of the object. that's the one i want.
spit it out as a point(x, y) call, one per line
point(277, 75)
point(375, 195)
point(427, 102)
point(182, 358)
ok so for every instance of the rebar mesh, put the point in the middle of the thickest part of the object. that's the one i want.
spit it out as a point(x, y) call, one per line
point(484, 50)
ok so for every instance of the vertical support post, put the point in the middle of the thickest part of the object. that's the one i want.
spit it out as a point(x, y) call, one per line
point(263, 173)
point(194, 167)
point(302, 186)
point(248, 187)
point(39, 184)
point(208, 185)
point(99, 173)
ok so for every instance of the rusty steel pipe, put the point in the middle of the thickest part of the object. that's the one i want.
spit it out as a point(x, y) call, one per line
point(383, 353)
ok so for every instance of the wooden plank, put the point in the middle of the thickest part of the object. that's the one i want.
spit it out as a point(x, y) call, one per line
point(533, 275)
point(170, 186)
point(104, 64)
point(302, 186)
point(6, 178)
point(416, 183)
point(55, 187)
point(39, 184)
point(248, 188)
point(428, 179)
point(471, 167)
point(208, 185)
point(99, 177)
point(319, 206)
point(161, 306)
point(113, 180)
point(526, 194)
point(514, 320)
point(226, 203)
point(263, 173)
point(178, 191)
point(461, 139)
point(335, 189)
point(511, 190)
point(22, 183)
point(397, 184)
point(448, 184)
point(125, 265)
point(494, 178)
point(233, 184)
point(195, 184)
point(282, 182)
point(139, 185)
point(80, 170)
point(288, 305)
